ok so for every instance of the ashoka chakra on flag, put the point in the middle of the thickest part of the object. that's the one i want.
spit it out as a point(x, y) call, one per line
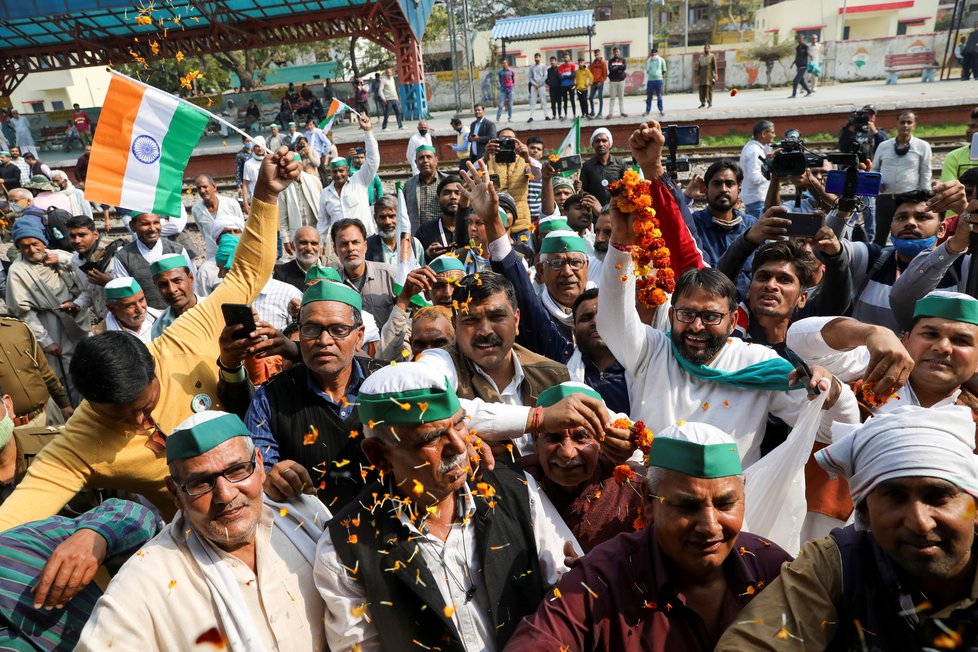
point(146, 149)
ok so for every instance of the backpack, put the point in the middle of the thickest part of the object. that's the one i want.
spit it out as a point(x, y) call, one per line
point(56, 223)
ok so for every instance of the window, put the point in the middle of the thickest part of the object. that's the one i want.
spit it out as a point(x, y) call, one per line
point(509, 57)
point(845, 33)
point(699, 14)
point(626, 50)
point(37, 107)
point(57, 105)
point(808, 33)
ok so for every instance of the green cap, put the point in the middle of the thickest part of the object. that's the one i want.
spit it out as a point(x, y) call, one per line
point(696, 449)
point(121, 288)
point(559, 392)
point(560, 242)
point(332, 291)
point(550, 224)
point(424, 148)
point(446, 263)
point(339, 163)
point(948, 305)
point(225, 250)
point(562, 182)
point(323, 273)
point(406, 393)
point(202, 432)
point(168, 262)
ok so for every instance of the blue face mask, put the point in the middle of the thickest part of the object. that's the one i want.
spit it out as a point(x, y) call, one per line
point(908, 247)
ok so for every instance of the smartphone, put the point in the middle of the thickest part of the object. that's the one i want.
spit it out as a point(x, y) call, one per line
point(867, 183)
point(239, 314)
point(494, 179)
point(88, 266)
point(804, 225)
point(804, 371)
point(684, 136)
point(568, 163)
point(507, 151)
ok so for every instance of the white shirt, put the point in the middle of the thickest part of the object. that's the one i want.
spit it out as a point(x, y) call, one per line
point(461, 560)
point(272, 303)
point(903, 173)
point(754, 187)
point(250, 174)
point(319, 142)
point(145, 333)
point(226, 207)
point(353, 200)
point(207, 277)
point(414, 142)
point(149, 255)
point(662, 392)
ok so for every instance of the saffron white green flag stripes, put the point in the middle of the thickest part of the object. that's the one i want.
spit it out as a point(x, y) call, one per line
point(143, 142)
point(571, 144)
point(405, 260)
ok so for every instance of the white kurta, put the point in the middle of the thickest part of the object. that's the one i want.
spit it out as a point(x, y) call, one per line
point(145, 333)
point(160, 601)
point(226, 207)
point(662, 392)
point(353, 200)
point(22, 132)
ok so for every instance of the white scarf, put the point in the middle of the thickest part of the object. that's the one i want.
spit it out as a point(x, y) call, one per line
point(559, 313)
point(72, 194)
point(575, 366)
point(302, 522)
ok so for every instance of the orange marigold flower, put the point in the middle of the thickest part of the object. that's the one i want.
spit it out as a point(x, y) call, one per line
point(623, 473)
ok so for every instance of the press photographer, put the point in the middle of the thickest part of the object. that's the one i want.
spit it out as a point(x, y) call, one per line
point(860, 129)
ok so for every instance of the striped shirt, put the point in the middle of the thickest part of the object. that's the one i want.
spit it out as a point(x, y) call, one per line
point(272, 303)
point(25, 549)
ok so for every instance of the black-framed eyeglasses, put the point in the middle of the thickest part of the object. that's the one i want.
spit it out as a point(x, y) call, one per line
point(236, 473)
point(336, 331)
point(559, 263)
point(708, 317)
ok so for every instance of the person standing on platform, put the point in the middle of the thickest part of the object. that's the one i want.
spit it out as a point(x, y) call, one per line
point(538, 79)
point(507, 81)
point(708, 76)
point(599, 72)
point(801, 67)
point(655, 68)
point(389, 97)
point(616, 82)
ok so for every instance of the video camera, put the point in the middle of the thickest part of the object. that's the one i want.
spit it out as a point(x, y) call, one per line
point(862, 139)
point(677, 136)
point(792, 158)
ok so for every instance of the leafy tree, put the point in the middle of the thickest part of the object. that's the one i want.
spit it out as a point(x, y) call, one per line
point(738, 12)
point(252, 66)
point(769, 54)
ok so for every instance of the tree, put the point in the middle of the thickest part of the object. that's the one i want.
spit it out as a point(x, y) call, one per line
point(252, 66)
point(738, 12)
point(769, 54)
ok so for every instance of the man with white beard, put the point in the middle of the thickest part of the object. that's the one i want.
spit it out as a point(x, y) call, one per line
point(382, 246)
point(308, 249)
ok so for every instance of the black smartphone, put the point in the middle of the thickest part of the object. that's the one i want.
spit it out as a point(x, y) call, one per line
point(239, 314)
point(568, 163)
point(685, 135)
point(804, 371)
point(804, 225)
point(507, 151)
point(494, 180)
point(88, 266)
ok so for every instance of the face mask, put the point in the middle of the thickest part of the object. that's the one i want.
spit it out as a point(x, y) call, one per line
point(16, 209)
point(258, 156)
point(6, 428)
point(908, 247)
point(422, 131)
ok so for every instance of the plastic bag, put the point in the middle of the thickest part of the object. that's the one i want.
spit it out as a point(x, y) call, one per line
point(775, 505)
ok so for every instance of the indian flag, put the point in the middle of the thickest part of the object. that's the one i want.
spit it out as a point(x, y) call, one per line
point(141, 148)
point(335, 109)
point(405, 260)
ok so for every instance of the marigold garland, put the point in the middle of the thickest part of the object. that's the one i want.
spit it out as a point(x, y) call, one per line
point(866, 395)
point(649, 253)
point(641, 436)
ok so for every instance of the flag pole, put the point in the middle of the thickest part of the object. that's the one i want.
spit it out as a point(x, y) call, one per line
point(190, 104)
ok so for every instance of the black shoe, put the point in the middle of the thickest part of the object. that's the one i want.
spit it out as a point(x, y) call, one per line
point(530, 120)
point(548, 119)
point(809, 93)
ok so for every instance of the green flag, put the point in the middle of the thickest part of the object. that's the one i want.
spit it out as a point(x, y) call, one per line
point(571, 144)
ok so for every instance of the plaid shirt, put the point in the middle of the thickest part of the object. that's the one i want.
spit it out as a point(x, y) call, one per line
point(428, 208)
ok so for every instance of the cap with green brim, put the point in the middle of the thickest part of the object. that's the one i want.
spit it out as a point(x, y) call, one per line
point(167, 263)
point(406, 393)
point(273, 126)
point(322, 273)
point(424, 148)
point(292, 124)
point(122, 288)
point(202, 432)
point(331, 291)
point(561, 242)
point(559, 392)
point(562, 182)
point(339, 163)
point(549, 224)
point(948, 305)
point(446, 263)
point(698, 450)
point(225, 250)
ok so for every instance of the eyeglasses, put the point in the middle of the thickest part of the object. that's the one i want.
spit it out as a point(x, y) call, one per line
point(708, 317)
point(236, 473)
point(336, 331)
point(559, 263)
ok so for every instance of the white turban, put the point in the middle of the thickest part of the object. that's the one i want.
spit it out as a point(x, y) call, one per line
point(602, 130)
point(260, 141)
point(910, 441)
point(225, 222)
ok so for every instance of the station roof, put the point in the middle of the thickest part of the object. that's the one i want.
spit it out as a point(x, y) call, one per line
point(524, 28)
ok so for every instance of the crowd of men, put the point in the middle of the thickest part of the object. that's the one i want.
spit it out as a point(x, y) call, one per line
point(459, 423)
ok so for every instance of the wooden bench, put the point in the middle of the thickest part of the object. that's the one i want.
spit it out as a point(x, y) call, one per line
point(897, 63)
point(51, 137)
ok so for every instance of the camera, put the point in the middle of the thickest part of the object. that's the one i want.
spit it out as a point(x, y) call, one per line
point(859, 118)
point(507, 151)
point(792, 158)
point(677, 136)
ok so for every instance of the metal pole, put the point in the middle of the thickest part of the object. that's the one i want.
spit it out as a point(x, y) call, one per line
point(842, 22)
point(452, 34)
point(651, 32)
point(468, 49)
point(686, 45)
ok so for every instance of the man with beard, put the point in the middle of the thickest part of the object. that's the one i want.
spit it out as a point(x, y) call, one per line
point(382, 245)
point(211, 207)
point(421, 190)
point(469, 559)
point(298, 207)
point(75, 195)
point(88, 261)
point(710, 377)
point(438, 236)
point(146, 248)
point(357, 157)
point(592, 362)
point(602, 234)
point(373, 281)
point(755, 184)
point(602, 169)
point(175, 283)
point(347, 196)
point(720, 223)
point(232, 566)
point(417, 139)
point(42, 290)
point(514, 177)
point(249, 172)
point(306, 245)
point(127, 310)
point(577, 476)
point(902, 577)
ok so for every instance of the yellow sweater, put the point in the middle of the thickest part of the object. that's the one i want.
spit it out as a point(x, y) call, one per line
point(95, 452)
